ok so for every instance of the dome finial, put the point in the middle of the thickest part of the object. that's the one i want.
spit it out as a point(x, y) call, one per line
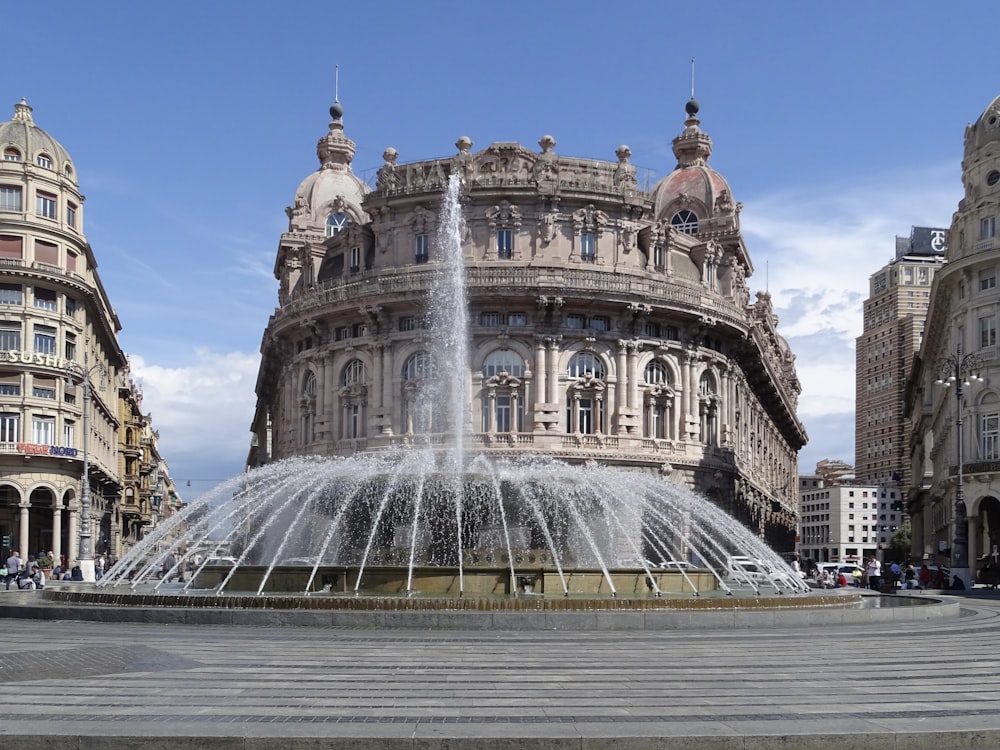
point(336, 111)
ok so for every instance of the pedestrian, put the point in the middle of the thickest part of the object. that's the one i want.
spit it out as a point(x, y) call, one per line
point(897, 573)
point(99, 567)
point(874, 569)
point(13, 566)
point(957, 584)
point(76, 574)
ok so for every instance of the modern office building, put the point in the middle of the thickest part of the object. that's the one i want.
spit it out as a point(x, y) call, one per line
point(608, 322)
point(953, 398)
point(894, 315)
point(842, 519)
point(60, 362)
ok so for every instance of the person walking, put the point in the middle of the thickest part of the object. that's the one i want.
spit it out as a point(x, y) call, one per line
point(14, 563)
point(874, 570)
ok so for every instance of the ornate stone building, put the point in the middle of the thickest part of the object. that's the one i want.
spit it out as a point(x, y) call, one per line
point(961, 330)
point(59, 359)
point(607, 322)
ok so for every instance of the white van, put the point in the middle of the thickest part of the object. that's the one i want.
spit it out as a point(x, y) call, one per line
point(740, 568)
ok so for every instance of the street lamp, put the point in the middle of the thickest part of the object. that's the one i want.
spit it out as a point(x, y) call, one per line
point(961, 371)
point(85, 555)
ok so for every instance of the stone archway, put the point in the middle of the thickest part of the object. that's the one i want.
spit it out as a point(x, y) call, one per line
point(985, 548)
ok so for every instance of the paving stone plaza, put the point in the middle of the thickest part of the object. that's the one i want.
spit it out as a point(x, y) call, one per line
point(76, 684)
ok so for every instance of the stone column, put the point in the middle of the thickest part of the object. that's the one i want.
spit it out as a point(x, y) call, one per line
point(541, 370)
point(388, 377)
point(553, 365)
point(632, 377)
point(56, 533)
point(22, 531)
point(74, 537)
point(621, 392)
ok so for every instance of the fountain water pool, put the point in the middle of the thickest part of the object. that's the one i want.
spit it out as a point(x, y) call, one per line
point(433, 520)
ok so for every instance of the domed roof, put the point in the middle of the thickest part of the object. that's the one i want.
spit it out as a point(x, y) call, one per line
point(22, 134)
point(986, 129)
point(693, 185)
point(333, 188)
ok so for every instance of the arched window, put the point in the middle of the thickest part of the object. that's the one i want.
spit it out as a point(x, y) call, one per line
point(585, 401)
point(354, 400)
point(706, 384)
point(657, 373)
point(335, 222)
point(44, 160)
point(418, 366)
point(660, 402)
point(11, 154)
point(419, 414)
point(503, 361)
point(584, 363)
point(709, 409)
point(685, 221)
point(354, 373)
point(503, 392)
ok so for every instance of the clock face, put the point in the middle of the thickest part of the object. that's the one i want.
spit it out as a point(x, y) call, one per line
point(685, 221)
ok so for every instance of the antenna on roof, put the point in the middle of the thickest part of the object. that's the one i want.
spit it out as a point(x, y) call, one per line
point(692, 78)
point(336, 83)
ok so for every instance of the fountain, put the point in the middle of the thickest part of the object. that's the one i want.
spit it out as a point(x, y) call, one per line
point(430, 520)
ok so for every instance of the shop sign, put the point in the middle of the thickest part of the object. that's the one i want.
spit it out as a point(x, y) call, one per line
point(35, 449)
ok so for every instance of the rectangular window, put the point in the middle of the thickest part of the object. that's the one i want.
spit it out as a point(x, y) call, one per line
point(45, 339)
point(69, 433)
point(588, 247)
point(988, 227)
point(517, 319)
point(600, 323)
point(10, 336)
point(359, 329)
point(43, 430)
point(10, 294)
point(343, 333)
point(9, 424)
point(10, 384)
point(45, 205)
point(505, 243)
point(659, 257)
point(70, 347)
point(421, 249)
point(355, 259)
point(44, 388)
point(70, 307)
point(408, 324)
point(45, 299)
point(10, 198)
point(576, 321)
point(652, 329)
point(987, 279)
point(71, 262)
point(490, 319)
point(47, 253)
point(987, 332)
point(990, 431)
point(11, 246)
point(71, 215)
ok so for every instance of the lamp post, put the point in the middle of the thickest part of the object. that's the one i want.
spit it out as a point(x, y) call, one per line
point(85, 555)
point(961, 371)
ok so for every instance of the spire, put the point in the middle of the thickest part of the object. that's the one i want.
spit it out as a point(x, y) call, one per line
point(335, 150)
point(692, 147)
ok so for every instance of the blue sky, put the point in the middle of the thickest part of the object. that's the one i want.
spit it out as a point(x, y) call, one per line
point(837, 125)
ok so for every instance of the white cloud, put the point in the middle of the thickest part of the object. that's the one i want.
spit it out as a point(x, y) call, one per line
point(202, 411)
point(814, 249)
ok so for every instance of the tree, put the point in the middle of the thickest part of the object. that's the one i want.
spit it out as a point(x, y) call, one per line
point(899, 545)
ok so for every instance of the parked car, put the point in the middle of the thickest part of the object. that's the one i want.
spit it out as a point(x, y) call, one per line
point(742, 568)
point(226, 560)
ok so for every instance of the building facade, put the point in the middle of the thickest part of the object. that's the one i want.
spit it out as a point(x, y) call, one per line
point(608, 323)
point(954, 453)
point(842, 519)
point(894, 316)
point(60, 361)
